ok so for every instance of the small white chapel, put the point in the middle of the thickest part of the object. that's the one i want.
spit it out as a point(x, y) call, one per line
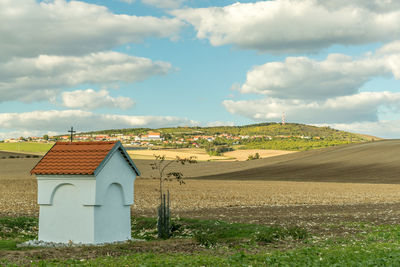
point(85, 190)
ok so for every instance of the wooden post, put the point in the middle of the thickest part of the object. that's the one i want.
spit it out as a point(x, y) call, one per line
point(163, 221)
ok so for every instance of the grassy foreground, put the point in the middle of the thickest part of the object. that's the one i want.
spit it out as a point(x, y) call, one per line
point(216, 243)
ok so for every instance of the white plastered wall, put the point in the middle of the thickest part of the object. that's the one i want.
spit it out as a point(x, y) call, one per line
point(87, 209)
point(114, 195)
point(66, 208)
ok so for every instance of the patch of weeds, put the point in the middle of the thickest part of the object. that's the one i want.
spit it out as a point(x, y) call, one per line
point(269, 235)
point(297, 233)
point(383, 233)
point(8, 244)
point(221, 229)
point(206, 239)
point(144, 228)
point(6, 263)
point(210, 232)
point(275, 233)
point(144, 223)
point(20, 227)
point(178, 230)
point(176, 227)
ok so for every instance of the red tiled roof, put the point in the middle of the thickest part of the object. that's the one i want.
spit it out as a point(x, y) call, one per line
point(75, 158)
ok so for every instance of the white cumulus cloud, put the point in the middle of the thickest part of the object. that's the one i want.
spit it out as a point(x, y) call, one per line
point(90, 99)
point(305, 78)
point(375, 5)
point(41, 122)
point(31, 28)
point(42, 77)
point(344, 109)
point(321, 91)
point(295, 26)
point(390, 48)
point(220, 123)
point(383, 129)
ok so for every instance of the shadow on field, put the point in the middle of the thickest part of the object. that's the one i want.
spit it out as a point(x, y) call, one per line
point(374, 162)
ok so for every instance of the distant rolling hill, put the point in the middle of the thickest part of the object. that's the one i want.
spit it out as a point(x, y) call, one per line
point(373, 162)
point(267, 128)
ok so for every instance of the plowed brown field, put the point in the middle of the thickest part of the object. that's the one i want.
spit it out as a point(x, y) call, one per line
point(355, 181)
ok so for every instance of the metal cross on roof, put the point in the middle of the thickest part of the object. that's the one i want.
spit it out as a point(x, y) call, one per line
point(72, 132)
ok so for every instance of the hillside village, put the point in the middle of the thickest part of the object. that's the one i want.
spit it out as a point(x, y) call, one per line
point(215, 140)
point(150, 139)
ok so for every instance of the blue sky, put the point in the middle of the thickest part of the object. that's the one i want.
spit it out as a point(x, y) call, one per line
point(151, 63)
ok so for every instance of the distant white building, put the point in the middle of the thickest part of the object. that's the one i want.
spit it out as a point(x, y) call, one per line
point(85, 190)
point(151, 136)
point(11, 140)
